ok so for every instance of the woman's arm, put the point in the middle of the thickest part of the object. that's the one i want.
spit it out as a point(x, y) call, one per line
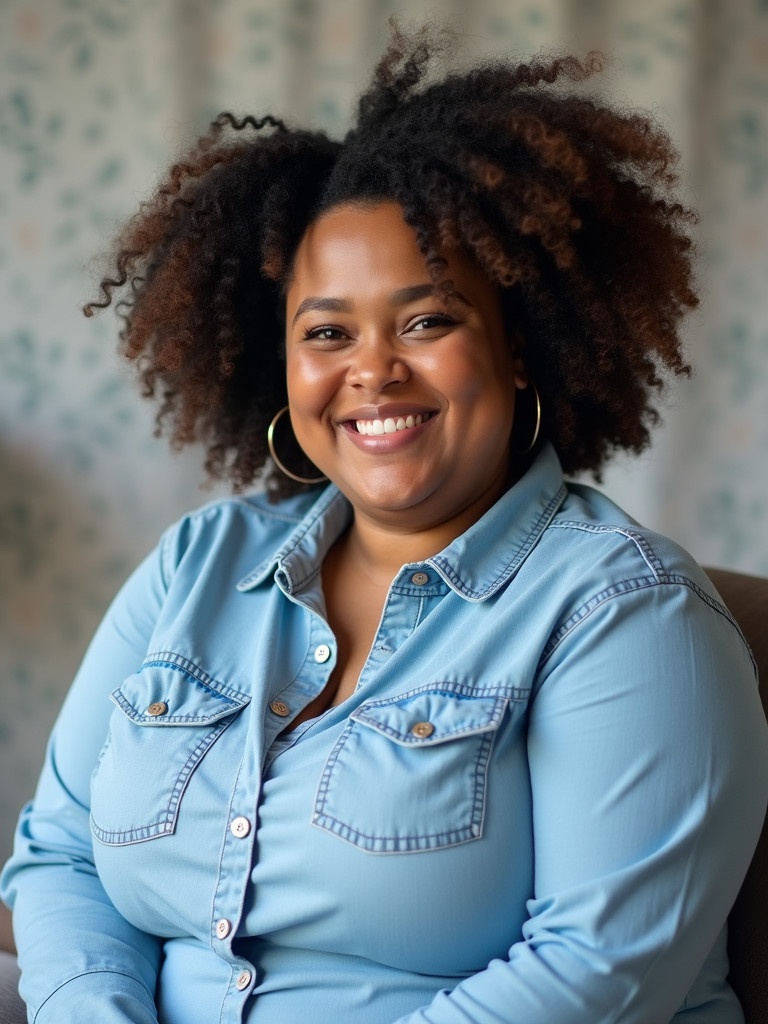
point(649, 770)
point(80, 959)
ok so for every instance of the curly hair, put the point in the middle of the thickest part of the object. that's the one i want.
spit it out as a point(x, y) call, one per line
point(567, 205)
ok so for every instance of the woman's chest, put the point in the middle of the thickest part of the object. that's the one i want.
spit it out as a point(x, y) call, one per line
point(361, 823)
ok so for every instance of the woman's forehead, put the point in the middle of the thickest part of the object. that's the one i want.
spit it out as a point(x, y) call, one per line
point(355, 248)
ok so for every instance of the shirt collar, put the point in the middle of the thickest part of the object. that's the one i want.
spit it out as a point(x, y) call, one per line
point(475, 565)
point(299, 557)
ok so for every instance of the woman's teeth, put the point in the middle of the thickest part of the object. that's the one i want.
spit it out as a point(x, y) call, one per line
point(390, 425)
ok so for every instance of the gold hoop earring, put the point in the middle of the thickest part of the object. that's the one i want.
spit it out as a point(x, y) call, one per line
point(537, 428)
point(277, 461)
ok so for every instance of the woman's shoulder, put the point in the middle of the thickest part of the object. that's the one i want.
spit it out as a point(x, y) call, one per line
point(255, 507)
point(598, 568)
point(608, 552)
point(250, 524)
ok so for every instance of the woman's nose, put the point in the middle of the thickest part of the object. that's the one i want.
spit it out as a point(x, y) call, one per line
point(376, 364)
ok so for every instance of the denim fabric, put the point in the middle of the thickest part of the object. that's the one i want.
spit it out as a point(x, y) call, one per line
point(537, 806)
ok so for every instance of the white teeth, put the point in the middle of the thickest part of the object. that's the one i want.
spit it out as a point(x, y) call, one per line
point(389, 425)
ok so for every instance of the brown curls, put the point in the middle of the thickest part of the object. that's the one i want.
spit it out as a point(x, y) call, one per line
point(565, 203)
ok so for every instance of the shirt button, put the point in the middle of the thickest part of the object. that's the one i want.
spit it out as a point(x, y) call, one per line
point(420, 578)
point(280, 708)
point(223, 928)
point(243, 980)
point(422, 729)
point(240, 827)
point(322, 653)
point(158, 708)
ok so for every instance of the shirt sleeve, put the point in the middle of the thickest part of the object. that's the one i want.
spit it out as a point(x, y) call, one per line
point(80, 959)
point(649, 772)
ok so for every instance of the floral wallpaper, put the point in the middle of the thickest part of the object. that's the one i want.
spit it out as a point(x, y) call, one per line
point(96, 96)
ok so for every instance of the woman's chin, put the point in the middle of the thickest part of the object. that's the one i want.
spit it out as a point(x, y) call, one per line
point(389, 494)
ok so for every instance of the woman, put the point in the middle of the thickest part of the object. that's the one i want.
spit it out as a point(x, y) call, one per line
point(430, 735)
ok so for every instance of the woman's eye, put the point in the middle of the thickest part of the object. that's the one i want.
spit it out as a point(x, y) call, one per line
point(324, 334)
point(431, 322)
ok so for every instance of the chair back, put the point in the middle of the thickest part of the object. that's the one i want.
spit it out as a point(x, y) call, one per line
point(746, 597)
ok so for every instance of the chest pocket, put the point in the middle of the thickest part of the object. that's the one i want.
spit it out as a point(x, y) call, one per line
point(166, 719)
point(410, 773)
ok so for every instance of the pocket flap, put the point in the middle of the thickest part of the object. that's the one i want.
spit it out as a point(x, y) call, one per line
point(172, 691)
point(428, 717)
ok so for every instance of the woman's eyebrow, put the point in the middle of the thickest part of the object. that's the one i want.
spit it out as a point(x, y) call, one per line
point(422, 291)
point(412, 293)
point(322, 305)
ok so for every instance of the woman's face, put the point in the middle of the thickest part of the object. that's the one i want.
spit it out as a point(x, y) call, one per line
point(402, 398)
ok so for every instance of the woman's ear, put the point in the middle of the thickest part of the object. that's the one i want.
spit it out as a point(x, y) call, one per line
point(520, 374)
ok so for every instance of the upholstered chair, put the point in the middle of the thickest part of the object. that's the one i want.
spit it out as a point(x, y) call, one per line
point(747, 599)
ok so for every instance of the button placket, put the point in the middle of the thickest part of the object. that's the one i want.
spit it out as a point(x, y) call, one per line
point(400, 617)
point(235, 862)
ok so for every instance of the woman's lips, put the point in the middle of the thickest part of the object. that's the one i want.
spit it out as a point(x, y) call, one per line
point(391, 424)
point(387, 433)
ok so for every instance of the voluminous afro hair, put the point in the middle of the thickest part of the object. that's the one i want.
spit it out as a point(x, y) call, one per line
point(567, 205)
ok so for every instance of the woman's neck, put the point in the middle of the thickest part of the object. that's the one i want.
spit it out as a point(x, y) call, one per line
point(380, 545)
point(380, 552)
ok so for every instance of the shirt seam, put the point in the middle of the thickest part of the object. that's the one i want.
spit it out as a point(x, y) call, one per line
point(463, 690)
point(636, 537)
point(630, 586)
point(85, 974)
point(178, 663)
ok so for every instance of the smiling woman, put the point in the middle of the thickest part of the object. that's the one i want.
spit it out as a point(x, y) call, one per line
point(425, 734)
point(376, 344)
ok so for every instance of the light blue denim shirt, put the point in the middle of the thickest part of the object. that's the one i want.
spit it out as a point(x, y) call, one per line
point(537, 806)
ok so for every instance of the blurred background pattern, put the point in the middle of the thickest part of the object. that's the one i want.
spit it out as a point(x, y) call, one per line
point(97, 96)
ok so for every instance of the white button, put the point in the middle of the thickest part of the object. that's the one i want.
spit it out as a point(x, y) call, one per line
point(419, 578)
point(243, 980)
point(240, 827)
point(322, 653)
point(223, 928)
